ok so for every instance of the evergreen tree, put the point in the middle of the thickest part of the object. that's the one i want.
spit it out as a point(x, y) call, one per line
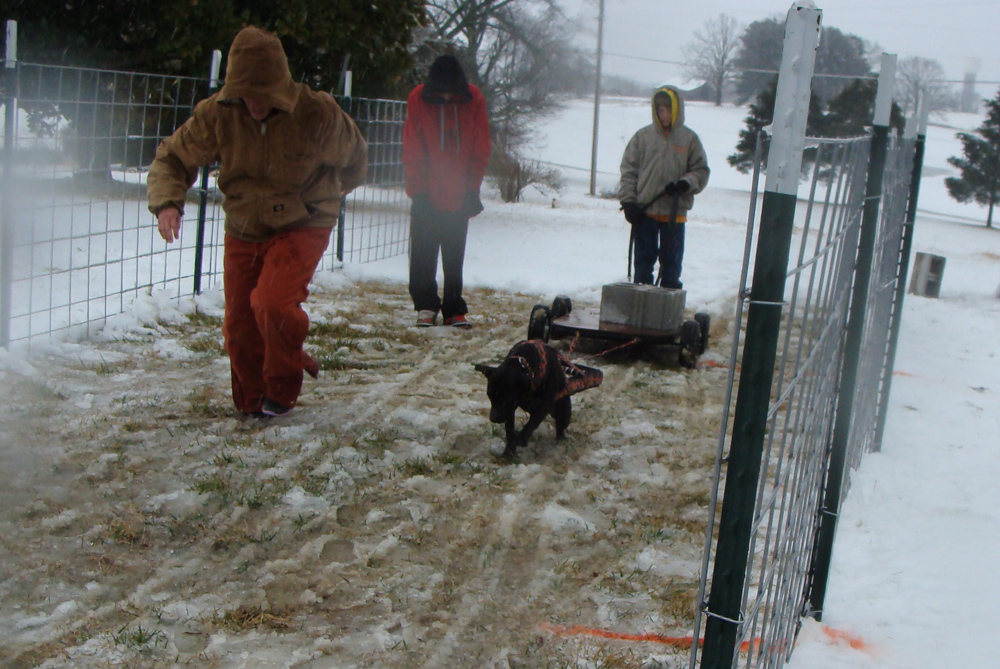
point(852, 111)
point(178, 36)
point(849, 114)
point(759, 58)
point(761, 115)
point(979, 169)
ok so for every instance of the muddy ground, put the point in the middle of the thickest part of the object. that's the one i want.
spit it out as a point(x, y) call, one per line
point(144, 524)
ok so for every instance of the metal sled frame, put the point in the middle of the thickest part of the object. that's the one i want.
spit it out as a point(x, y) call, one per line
point(560, 321)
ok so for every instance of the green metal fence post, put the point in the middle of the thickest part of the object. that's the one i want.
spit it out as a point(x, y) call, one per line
point(6, 224)
point(855, 337)
point(342, 216)
point(723, 624)
point(199, 249)
point(906, 245)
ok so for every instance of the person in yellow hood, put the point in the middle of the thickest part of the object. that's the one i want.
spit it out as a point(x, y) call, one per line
point(287, 156)
point(664, 166)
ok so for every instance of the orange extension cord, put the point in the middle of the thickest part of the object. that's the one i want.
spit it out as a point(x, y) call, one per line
point(683, 642)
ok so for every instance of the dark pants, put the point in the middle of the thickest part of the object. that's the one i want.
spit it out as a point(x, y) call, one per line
point(433, 231)
point(658, 241)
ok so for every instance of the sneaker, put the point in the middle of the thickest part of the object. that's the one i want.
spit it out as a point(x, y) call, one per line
point(458, 322)
point(272, 408)
point(426, 318)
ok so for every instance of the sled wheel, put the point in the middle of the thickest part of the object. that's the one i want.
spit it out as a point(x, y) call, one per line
point(690, 344)
point(561, 306)
point(703, 320)
point(538, 323)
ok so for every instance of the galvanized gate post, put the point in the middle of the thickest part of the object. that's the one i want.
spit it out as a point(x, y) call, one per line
point(855, 336)
point(906, 245)
point(199, 249)
point(6, 224)
point(724, 624)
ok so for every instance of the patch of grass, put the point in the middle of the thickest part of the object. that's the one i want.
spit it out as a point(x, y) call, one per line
point(376, 442)
point(302, 520)
point(312, 483)
point(110, 369)
point(206, 345)
point(416, 467)
point(127, 529)
point(138, 638)
point(248, 617)
point(450, 459)
point(213, 484)
point(131, 426)
point(205, 401)
point(680, 598)
point(203, 320)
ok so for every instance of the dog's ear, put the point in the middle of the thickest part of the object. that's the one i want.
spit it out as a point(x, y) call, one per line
point(486, 370)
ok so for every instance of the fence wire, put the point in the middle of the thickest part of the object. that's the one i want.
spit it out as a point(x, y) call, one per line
point(880, 314)
point(82, 243)
point(79, 244)
point(377, 222)
point(804, 393)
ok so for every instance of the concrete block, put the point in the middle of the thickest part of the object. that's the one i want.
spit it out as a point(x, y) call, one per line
point(928, 272)
point(642, 306)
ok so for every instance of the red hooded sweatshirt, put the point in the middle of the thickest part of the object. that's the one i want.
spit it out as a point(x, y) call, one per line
point(446, 146)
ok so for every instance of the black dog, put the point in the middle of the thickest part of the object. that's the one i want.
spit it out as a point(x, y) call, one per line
point(536, 378)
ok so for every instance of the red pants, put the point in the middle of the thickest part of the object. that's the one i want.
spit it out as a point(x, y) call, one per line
point(264, 325)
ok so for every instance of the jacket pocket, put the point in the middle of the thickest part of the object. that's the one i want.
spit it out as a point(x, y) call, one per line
point(280, 211)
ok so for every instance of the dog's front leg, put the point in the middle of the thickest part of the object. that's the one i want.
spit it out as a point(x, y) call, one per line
point(511, 432)
point(534, 420)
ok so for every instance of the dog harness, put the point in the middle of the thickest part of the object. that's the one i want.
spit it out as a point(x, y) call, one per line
point(578, 377)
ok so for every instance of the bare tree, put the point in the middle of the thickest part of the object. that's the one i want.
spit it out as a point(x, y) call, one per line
point(517, 51)
point(711, 55)
point(919, 78)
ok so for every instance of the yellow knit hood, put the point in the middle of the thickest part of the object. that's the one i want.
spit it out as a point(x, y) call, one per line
point(676, 105)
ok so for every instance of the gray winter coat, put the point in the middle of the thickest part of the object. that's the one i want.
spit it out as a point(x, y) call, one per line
point(652, 160)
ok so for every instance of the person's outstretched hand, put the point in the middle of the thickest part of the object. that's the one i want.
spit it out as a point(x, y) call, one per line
point(168, 222)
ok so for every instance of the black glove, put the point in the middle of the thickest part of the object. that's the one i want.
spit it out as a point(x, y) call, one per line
point(472, 206)
point(681, 186)
point(633, 212)
point(421, 205)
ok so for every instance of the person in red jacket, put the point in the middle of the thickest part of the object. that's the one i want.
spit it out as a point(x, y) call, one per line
point(446, 145)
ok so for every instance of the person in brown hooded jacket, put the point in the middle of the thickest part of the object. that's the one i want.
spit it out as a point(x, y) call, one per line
point(287, 156)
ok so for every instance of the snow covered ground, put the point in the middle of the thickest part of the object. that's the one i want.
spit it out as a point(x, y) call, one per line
point(376, 529)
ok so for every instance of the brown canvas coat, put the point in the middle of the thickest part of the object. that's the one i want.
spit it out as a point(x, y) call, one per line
point(285, 172)
point(652, 159)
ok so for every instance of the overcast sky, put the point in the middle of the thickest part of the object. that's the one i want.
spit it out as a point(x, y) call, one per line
point(949, 31)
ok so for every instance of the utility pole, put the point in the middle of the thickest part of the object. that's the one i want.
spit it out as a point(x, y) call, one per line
point(597, 100)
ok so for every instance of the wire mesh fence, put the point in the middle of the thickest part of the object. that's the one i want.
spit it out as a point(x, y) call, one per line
point(376, 221)
point(78, 242)
point(795, 460)
point(82, 243)
point(881, 316)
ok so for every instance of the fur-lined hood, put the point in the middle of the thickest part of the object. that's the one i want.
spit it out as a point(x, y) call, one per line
point(258, 68)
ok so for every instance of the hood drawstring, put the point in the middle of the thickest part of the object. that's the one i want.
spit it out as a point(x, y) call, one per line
point(458, 135)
